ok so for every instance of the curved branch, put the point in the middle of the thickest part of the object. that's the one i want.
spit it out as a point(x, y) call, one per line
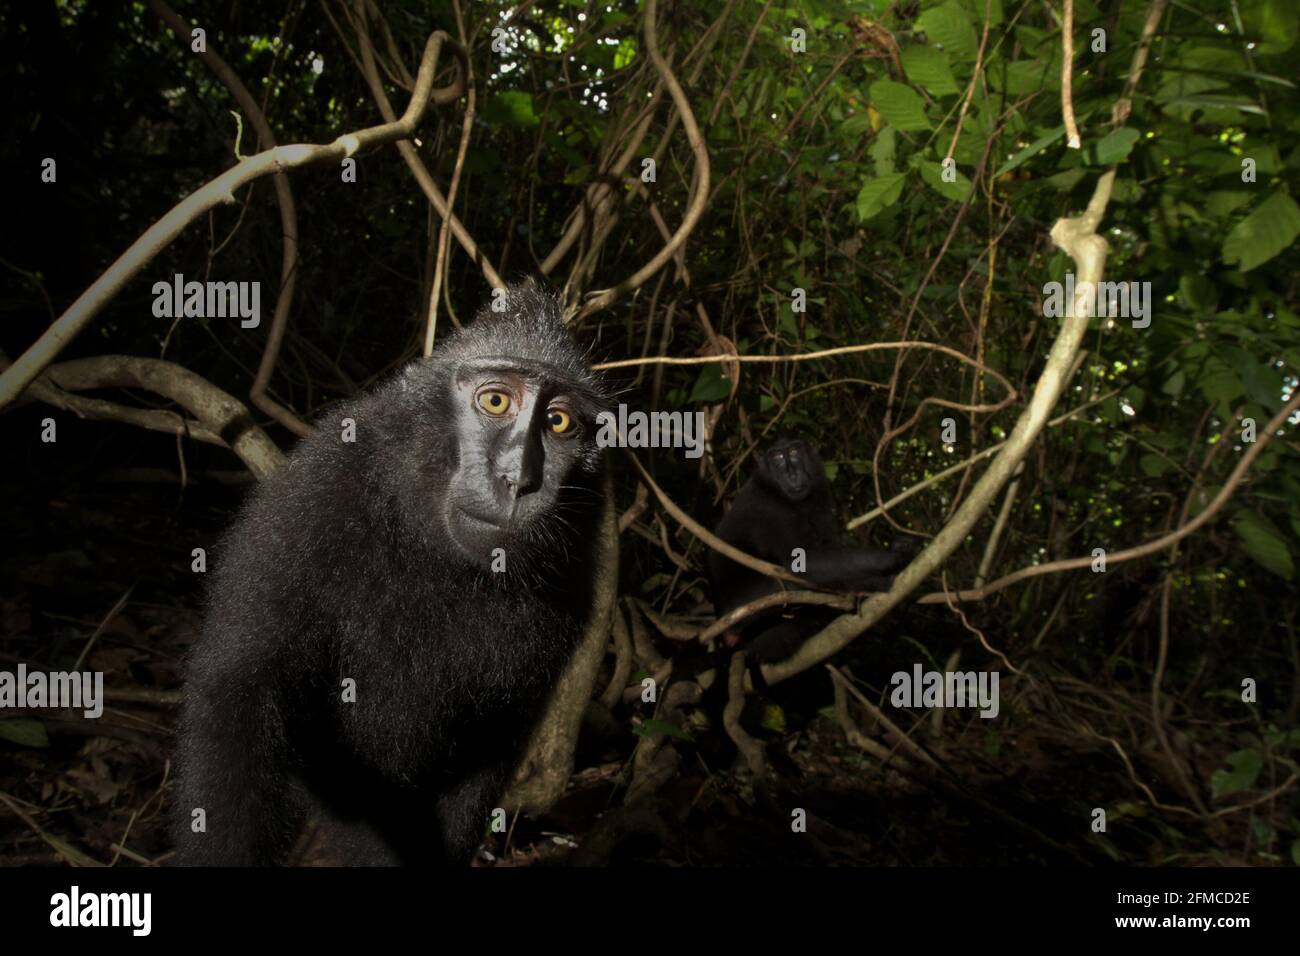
point(1067, 76)
point(288, 224)
point(778, 599)
point(423, 178)
point(161, 234)
point(222, 419)
point(826, 353)
point(696, 209)
point(712, 540)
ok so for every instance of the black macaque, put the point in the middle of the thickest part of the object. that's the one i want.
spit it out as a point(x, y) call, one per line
point(387, 615)
point(787, 505)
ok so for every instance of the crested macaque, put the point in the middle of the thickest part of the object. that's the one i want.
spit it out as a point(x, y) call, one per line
point(387, 614)
point(786, 505)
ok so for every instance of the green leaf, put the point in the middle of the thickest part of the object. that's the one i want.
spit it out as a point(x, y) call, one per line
point(1026, 76)
point(928, 68)
point(625, 53)
point(900, 105)
point(1030, 151)
point(1067, 180)
point(1198, 292)
point(856, 126)
point(948, 26)
point(1245, 764)
point(1274, 21)
point(957, 190)
point(652, 727)
point(883, 149)
point(1115, 147)
point(879, 193)
point(1263, 382)
point(25, 731)
point(1264, 233)
point(1217, 108)
point(1264, 543)
point(711, 386)
point(513, 108)
point(1219, 382)
point(773, 719)
point(1222, 202)
point(1153, 466)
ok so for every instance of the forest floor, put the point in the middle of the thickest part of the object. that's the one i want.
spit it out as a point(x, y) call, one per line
point(76, 549)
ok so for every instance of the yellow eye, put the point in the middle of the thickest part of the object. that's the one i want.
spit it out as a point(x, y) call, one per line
point(494, 402)
point(558, 420)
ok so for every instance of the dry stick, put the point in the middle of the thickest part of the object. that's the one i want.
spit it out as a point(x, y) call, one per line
point(1083, 727)
point(1067, 76)
point(904, 741)
point(597, 193)
point(979, 635)
point(811, 356)
point(651, 311)
point(119, 848)
point(851, 731)
point(64, 849)
point(949, 667)
point(999, 526)
point(712, 540)
point(423, 178)
point(635, 509)
point(598, 196)
point(466, 128)
point(672, 628)
point(623, 654)
point(750, 748)
point(404, 78)
point(974, 78)
point(113, 612)
point(696, 209)
point(1124, 104)
point(221, 189)
point(1265, 798)
point(288, 224)
point(735, 70)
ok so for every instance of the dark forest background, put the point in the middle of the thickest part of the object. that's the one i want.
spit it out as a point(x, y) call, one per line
point(825, 154)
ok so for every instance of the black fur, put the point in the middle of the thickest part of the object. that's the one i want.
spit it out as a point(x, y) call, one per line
point(370, 560)
point(787, 505)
